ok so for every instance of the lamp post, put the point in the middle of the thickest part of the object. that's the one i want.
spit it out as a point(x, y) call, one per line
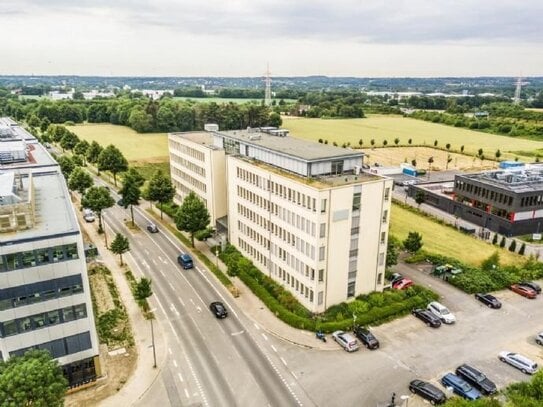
point(151, 317)
point(104, 229)
point(217, 256)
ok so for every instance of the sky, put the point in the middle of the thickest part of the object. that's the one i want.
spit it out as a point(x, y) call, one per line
point(363, 38)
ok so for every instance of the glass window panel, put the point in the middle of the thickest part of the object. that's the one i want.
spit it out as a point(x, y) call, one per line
point(38, 321)
point(53, 317)
point(72, 344)
point(43, 255)
point(6, 304)
point(68, 314)
point(65, 291)
point(77, 288)
point(10, 328)
point(13, 261)
point(71, 251)
point(28, 258)
point(33, 298)
point(80, 311)
point(58, 253)
point(24, 324)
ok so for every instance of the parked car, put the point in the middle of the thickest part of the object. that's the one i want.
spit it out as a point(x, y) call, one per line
point(185, 261)
point(532, 285)
point(442, 312)
point(489, 300)
point(88, 215)
point(427, 391)
point(395, 277)
point(427, 317)
point(402, 284)
point(218, 309)
point(524, 291)
point(460, 386)
point(366, 337)
point(346, 340)
point(519, 361)
point(120, 202)
point(476, 378)
point(152, 228)
point(539, 338)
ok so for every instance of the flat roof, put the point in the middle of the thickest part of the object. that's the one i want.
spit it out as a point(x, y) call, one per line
point(291, 146)
point(54, 212)
point(518, 180)
point(38, 157)
point(198, 137)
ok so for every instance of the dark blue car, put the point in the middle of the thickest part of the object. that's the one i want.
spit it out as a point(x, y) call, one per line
point(460, 386)
point(185, 261)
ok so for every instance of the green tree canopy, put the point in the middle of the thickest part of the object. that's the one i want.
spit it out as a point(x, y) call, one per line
point(131, 191)
point(192, 216)
point(79, 180)
point(66, 165)
point(93, 152)
point(69, 140)
point(413, 242)
point(97, 199)
point(143, 290)
point(120, 245)
point(34, 379)
point(160, 189)
point(111, 159)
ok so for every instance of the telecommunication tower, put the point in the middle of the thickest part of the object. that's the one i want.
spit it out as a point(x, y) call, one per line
point(518, 88)
point(267, 81)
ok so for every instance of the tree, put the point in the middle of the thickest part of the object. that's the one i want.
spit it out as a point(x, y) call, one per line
point(392, 251)
point(142, 291)
point(396, 141)
point(462, 149)
point(69, 140)
point(435, 143)
point(492, 262)
point(372, 142)
point(480, 152)
point(111, 159)
point(414, 163)
point(81, 148)
point(449, 159)
point(66, 165)
point(131, 191)
point(192, 216)
point(413, 243)
point(495, 239)
point(79, 180)
point(385, 143)
point(513, 245)
point(93, 152)
point(160, 189)
point(34, 379)
point(44, 124)
point(360, 142)
point(522, 249)
point(448, 146)
point(119, 246)
point(430, 162)
point(275, 120)
point(97, 199)
point(410, 141)
point(498, 154)
point(420, 197)
point(502, 242)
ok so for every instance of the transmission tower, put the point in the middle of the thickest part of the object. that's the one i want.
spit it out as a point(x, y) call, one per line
point(267, 81)
point(518, 88)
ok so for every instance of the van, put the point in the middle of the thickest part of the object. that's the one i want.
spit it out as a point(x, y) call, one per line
point(185, 261)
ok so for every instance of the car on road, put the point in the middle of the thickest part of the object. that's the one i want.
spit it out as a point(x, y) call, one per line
point(489, 300)
point(427, 317)
point(427, 391)
point(476, 378)
point(185, 261)
point(120, 202)
point(152, 228)
point(402, 284)
point(218, 309)
point(539, 338)
point(460, 386)
point(524, 291)
point(530, 284)
point(345, 340)
point(442, 312)
point(524, 364)
point(88, 215)
point(366, 337)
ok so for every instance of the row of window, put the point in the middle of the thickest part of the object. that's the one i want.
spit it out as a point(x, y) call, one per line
point(489, 194)
point(42, 320)
point(189, 165)
point(18, 296)
point(37, 257)
point(61, 347)
point(189, 179)
point(186, 150)
point(255, 254)
point(182, 190)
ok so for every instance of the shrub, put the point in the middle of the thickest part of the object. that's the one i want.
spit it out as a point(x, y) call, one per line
point(513, 246)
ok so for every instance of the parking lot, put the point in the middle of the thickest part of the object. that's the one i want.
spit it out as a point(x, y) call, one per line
point(411, 350)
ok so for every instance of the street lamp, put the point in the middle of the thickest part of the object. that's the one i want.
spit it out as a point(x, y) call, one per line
point(151, 317)
point(217, 256)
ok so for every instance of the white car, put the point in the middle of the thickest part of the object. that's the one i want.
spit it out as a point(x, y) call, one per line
point(346, 340)
point(519, 361)
point(539, 338)
point(88, 215)
point(442, 312)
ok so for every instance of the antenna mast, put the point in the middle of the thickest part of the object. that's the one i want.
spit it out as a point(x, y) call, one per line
point(267, 81)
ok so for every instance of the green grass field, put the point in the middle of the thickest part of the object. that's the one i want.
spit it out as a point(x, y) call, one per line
point(385, 127)
point(444, 240)
point(140, 148)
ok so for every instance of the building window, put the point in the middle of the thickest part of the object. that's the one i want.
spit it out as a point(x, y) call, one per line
point(385, 216)
point(351, 289)
point(322, 230)
point(380, 278)
point(320, 298)
point(381, 259)
point(387, 194)
point(323, 205)
point(321, 275)
point(322, 251)
point(337, 167)
point(383, 237)
point(356, 201)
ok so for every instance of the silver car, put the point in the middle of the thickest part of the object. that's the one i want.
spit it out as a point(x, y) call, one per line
point(346, 340)
point(539, 338)
point(519, 361)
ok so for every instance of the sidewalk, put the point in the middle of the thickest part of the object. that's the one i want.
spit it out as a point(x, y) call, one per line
point(144, 375)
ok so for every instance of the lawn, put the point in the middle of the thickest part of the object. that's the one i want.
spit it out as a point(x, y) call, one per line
point(140, 148)
point(386, 127)
point(444, 240)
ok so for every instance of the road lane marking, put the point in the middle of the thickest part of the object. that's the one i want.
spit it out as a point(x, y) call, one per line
point(161, 272)
point(170, 351)
point(154, 262)
point(283, 360)
point(171, 285)
point(264, 336)
point(180, 377)
point(160, 258)
point(187, 393)
point(274, 349)
point(175, 364)
point(237, 333)
point(256, 326)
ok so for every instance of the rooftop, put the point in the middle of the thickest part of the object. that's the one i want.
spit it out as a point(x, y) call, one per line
point(37, 157)
point(291, 146)
point(198, 137)
point(518, 180)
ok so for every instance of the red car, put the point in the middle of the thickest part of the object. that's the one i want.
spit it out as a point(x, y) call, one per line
point(402, 284)
point(524, 291)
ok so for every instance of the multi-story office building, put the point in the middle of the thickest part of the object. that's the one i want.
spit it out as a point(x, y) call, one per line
point(45, 300)
point(305, 213)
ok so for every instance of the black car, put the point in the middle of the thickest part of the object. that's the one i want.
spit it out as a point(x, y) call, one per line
point(531, 285)
point(218, 309)
point(427, 316)
point(489, 300)
point(427, 391)
point(366, 337)
point(120, 202)
point(476, 378)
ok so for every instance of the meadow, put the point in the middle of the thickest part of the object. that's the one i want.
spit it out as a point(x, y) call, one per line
point(386, 127)
point(444, 240)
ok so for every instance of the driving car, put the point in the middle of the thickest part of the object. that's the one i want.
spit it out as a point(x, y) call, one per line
point(218, 309)
point(88, 215)
point(532, 285)
point(489, 300)
point(185, 261)
point(442, 312)
point(402, 284)
point(427, 317)
point(427, 391)
point(152, 228)
point(539, 338)
point(120, 202)
point(524, 291)
point(476, 378)
point(524, 364)
point(345, 340)
point(460, 386)
point(366, 337)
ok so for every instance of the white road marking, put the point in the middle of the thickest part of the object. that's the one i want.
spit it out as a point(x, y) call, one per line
point(274, 349)
point(175, 364)
point(180, 377)
point(160, 258)
point(256, 326)
point(170, 351)
point(283, 360)
point(198, 308)
point(264, 336)
point(161, 272)
point(147, 252)
point(171, 285)
point(165, 261)
point(154, 262)
point(172, 308)
point(237, 333)
point(187, 393)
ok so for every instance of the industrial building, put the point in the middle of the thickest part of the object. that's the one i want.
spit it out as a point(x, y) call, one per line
point(305, 213)
point(45, 300)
